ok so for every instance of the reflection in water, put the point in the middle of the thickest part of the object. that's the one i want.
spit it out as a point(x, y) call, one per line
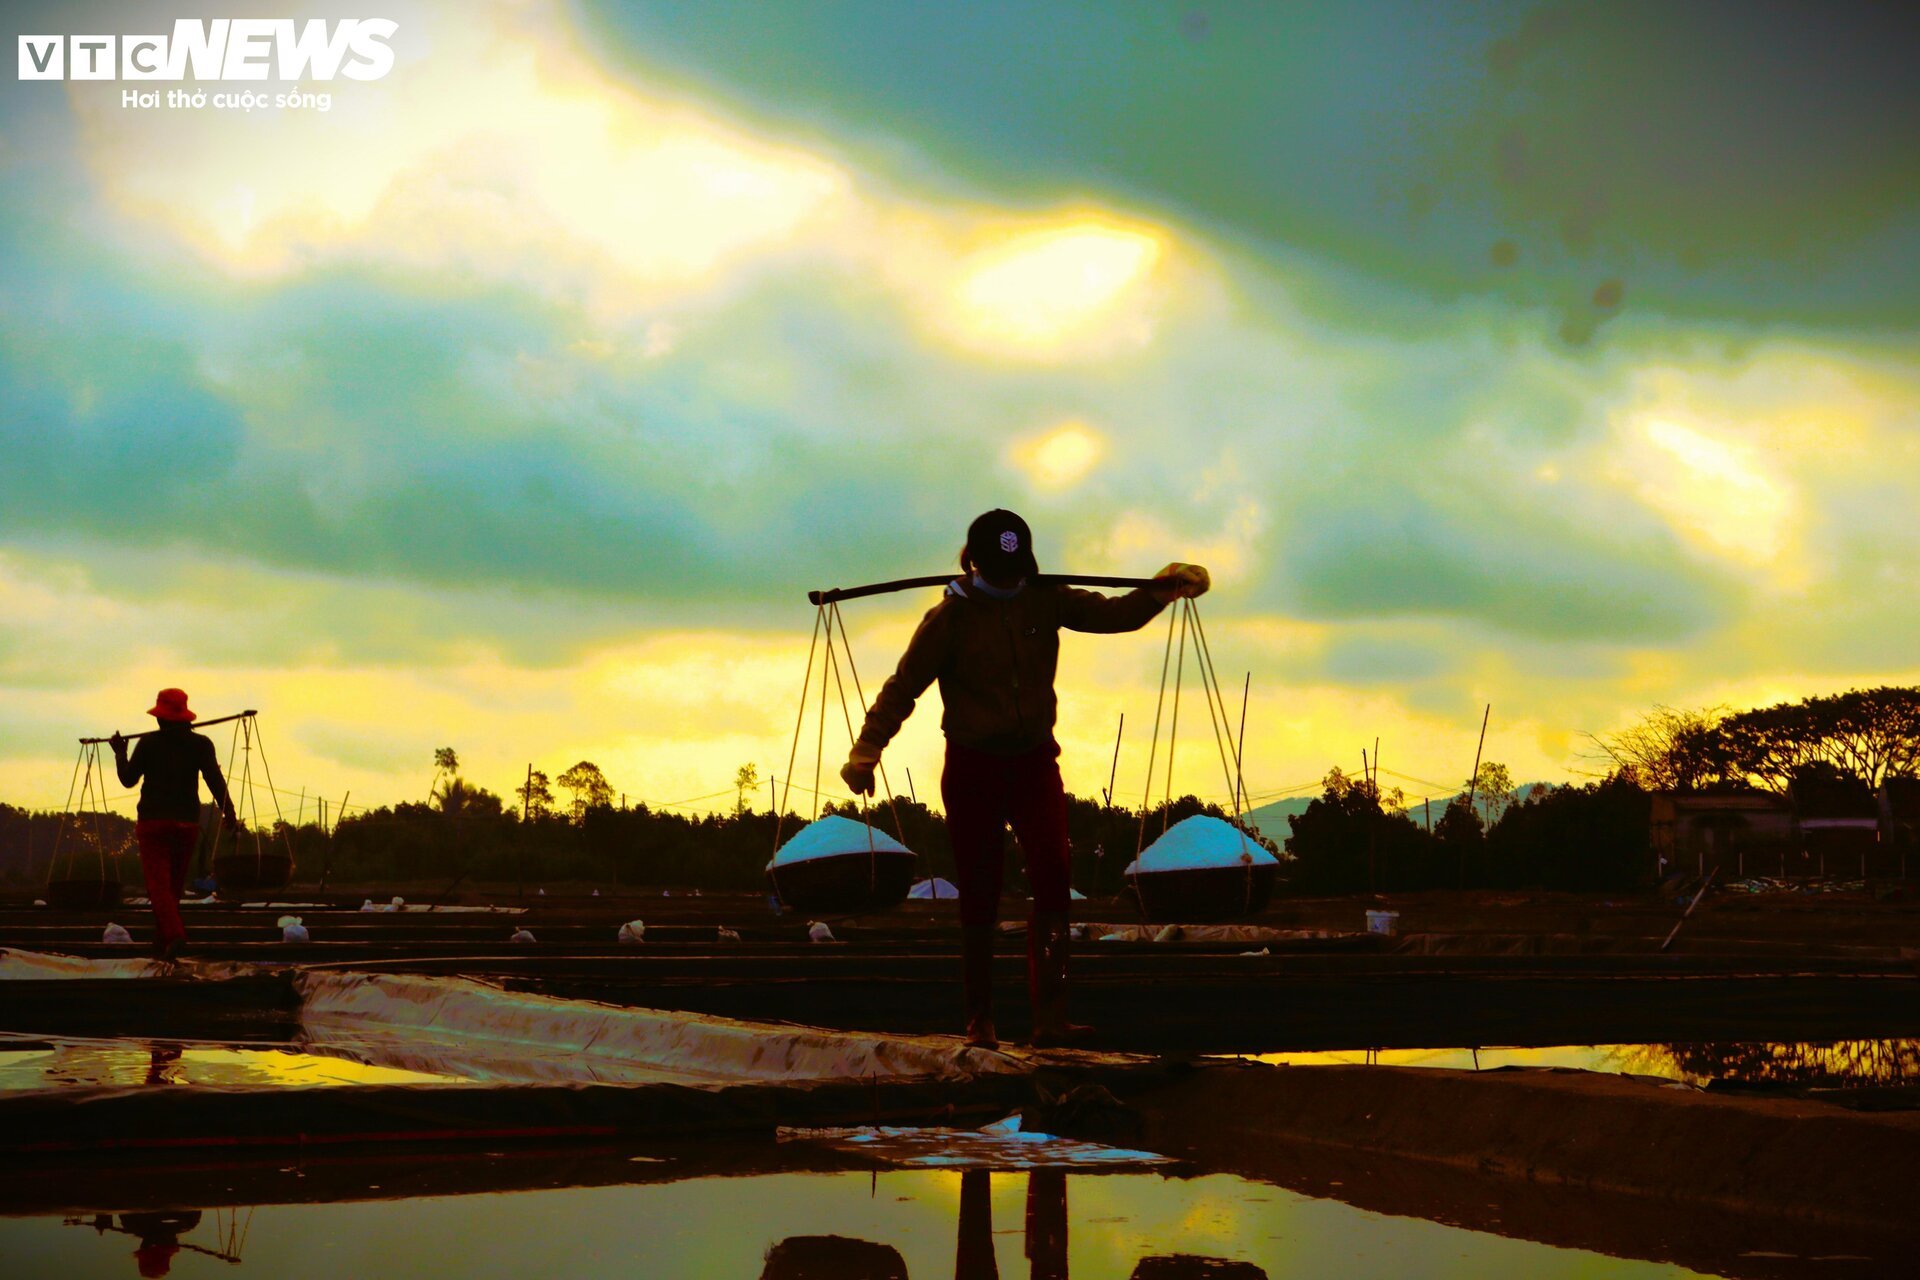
point(1839, 1063)
point(973, 1255)
point(1843, 1063)
point(1187, 1266)
point(803, 1224)
point(159, 1237)
point(1047, 1224)
point(159, 1234)
point(833, 1258)
point(163, 1064)
point(60, 1063)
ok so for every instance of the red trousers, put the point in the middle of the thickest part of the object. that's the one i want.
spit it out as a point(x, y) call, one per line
point(166, 849)
point(984, 794)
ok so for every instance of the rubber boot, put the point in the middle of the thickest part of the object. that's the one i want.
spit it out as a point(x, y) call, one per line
point(1047, 949)
point(976, 942)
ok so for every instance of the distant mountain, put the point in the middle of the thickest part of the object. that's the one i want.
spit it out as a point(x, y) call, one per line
point(1271, 819)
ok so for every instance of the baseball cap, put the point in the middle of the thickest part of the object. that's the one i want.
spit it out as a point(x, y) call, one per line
point(1001, 546)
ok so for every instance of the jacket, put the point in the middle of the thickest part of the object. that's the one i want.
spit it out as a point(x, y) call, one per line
point(172, 762)
point(995, 661)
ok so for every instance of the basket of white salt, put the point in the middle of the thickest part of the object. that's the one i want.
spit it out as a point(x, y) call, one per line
point(1202, 869)
point(836, 866)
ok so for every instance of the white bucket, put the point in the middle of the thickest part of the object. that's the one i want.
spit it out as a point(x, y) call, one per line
point(1387, 922)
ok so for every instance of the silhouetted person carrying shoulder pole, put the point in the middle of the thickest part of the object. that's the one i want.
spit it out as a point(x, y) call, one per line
point(169, 765)
point(993, 643)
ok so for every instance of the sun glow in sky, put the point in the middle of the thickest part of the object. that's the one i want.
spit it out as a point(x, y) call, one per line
point(512, 403)
point(1717, 493)
point(1033, 293)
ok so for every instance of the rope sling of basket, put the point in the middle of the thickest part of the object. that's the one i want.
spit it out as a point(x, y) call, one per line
point(1186, 621)
point(88, 791)
point(827, 622)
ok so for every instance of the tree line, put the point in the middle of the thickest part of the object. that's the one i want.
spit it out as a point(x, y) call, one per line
point(1354, 837)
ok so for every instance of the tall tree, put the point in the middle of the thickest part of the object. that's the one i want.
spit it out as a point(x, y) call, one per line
point(589, 788)
point(1670, 749)
point(746, 780)
point(1867, 734)
point(446, 766)
point(1492, 791)
point(535, 795)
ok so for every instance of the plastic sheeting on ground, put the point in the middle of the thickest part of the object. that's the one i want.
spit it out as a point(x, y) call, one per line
point(832, 836)
point(464, 1027)
point(39, 965)
point(995, 1147)
point(1200, 843)
point(1211, 933)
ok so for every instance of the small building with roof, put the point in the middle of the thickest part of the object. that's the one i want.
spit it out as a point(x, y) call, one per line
point(1837, 822)
point(1743, 832)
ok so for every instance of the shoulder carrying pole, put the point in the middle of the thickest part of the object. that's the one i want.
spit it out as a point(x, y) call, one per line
point(198, 724)
point(832, 594)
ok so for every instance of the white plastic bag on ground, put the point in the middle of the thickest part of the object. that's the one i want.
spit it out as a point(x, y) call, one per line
point(818, 932)
point(115, 933)
point(633, 931)
point(291, 930)
point(521, 935)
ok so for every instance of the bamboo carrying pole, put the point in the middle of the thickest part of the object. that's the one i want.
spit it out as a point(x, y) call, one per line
point(831, 594)
point(148, 733)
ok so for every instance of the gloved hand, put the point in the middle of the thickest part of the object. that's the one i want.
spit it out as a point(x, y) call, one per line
point(857, 772)
point(1181, 581)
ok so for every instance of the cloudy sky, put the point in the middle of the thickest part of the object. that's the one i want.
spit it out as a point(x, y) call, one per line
point(1561, 357)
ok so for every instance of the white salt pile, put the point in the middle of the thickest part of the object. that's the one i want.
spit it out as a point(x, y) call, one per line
point(1200, 843)
point(832, 836)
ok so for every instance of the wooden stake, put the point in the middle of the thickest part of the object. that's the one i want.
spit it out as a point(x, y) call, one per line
point(520, 860)
point(1704, 885)
point(1240, 750)
point(1473, 784)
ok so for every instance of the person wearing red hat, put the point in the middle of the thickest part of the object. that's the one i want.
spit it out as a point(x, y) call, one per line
point(169, 765)
point(993, 643)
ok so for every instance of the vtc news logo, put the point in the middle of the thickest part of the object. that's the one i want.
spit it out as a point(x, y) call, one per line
point(219, 49)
